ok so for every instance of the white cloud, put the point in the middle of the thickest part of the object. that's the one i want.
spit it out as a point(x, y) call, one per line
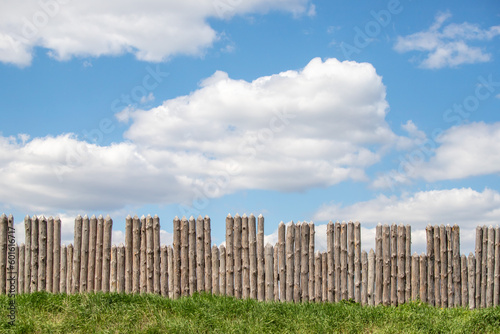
point(152, 30)
point(466, 207)
point(448, 45)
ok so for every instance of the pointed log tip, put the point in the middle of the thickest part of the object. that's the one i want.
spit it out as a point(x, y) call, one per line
point(128, 217)
point(136, 217)
point(3, 216)
point(191, 218)
point(236, 215)
point(199, 217)
point(149, 216)
point(184, 218)
point(228, 215)
point(26, 217)
point(77, 217)
point(207, 217)
point(176, 218)
point(281, 224)
point(100, 216)
point(108, 218)
point(261, 216)
point(143, 217)
point(252, 215)
point(244, 215)
point(93, 217)
point(57, 219)
point(155, 216)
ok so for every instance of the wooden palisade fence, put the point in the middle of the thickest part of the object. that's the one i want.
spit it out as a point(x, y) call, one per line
point(291, 270)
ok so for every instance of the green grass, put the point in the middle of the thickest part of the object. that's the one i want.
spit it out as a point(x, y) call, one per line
point(203, 313)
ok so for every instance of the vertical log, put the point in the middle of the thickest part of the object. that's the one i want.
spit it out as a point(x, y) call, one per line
point(136, 253)
point(56, 269)
point(84, 264)
point(401, 269)
point(269, 279)
point(282, 261)
point(437, 265)
point(42, 255)
point(16, 264)
point(208, 254)
point(364, 278)
point(357, 262)
point(176, 259)
point(113, 286)
point(27, 254)
point(92, 253)
point(408, 264)
point(69, 272)
point(379, 265)
point(424, 277)
point(34, 254)
point(457, 286)
point(276, 273)
point(444, 267)
point(415, 276)
point(200, 254)
point(215, 270)
point(297, 257)
point(128, 253)
point(324, 275)
point(171, 272)
point(330, 282)
point(260, 258)
point(290, 233)
point(478, 269)
point(121, 269)
point(317, 278)
point(164, 271)
point(386, 250)
point(64, 269)
point(311, 262)
point(350, 260)
point(230, 259)
point(484, 267)
point(471, 262)
point(237, 256)
point(496, 285)
point(106, 252)
point(430, 264)
point(463, 289)
point(150, 254)
point(304, 266)
point(98, 256)
point(185, 257)
point(449, 253)
point(252, 243)
point(156, 255)
point(20, 270)
point(144, 257)
point(371, 278)
point(4, 227)
point(50, 253)
point(336, 261)
point(394, 264)
point(222, 270)
point(343, 262)
point(245, 257)
point(491, 266)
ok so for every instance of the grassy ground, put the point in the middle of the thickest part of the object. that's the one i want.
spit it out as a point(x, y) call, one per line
point(120, 313)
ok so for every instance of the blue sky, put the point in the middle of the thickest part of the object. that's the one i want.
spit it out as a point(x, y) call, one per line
point(383, 111)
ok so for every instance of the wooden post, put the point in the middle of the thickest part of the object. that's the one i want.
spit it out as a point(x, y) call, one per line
point(386, 250)
point(144, 257)
point(106, 252)
point(330, 282)
point(222, 269)
point(457, 286)
point(171, 272)
point(56, 269)
point(69, 270)
point(237, 256)
point(304, 267)
point(208, 254)
point(438, 265)
point(281, 259)
point(20, 270)
point(177, 258)
point(449, 254)
point(401, 264)
point(478, 269)
point(408, 264)
point(463, 289)
point(128, 253)
point(229, 257)
point(484, 268)
point(113, 286)
point(215, 270)
point(496, 286)
point(444, 267)
point(149, 254)
point(185, 261)
point(317, 277)
point(336, 261)
point(27, 254)
point(92, 253)
point(343, 261)
point(84, 264)
point(42, 255)
point(121, 268)
point(260, 259)
point(200, 254)
point(98, 256)
point(311, 262)
point(364, 278)
point(491, 266)
point(164, 271)
point(357, 262)
point(394, 265)
point(379, 265)
point(324, 276)
point(64, 269)
point(156, 255)
point(415, 276)
point(276, 273)
point(136, 253)
point(252, 243)
point(350, 260)
point(471, 262)
point(290, 233)
point(4, 227)
point(245, 257)
point(269, 279)
point(424, 276)
point(34, 255)
point(430, 264)
point(371, 278)
point(297, 257)
point(50, 253)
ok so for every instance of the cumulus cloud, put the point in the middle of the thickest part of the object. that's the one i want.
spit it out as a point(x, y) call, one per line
point(463, 206)
point(448, 45)
point(152, 30)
